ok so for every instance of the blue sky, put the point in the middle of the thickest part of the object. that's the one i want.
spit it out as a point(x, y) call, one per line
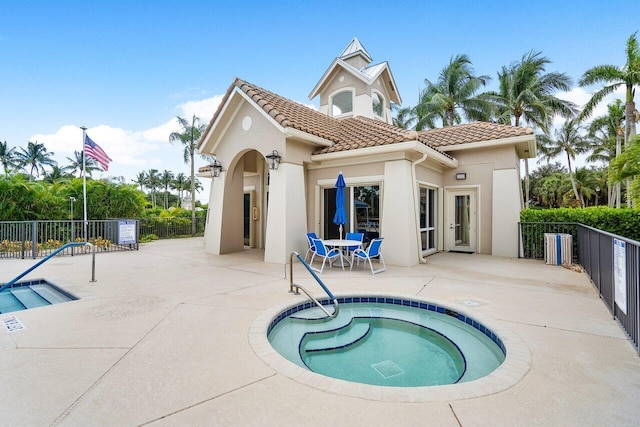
point(125, 69)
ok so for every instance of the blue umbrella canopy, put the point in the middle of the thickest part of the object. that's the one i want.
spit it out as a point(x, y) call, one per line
point(340, 216)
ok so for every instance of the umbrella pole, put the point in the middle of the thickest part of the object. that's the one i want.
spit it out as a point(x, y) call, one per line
point(340, 231)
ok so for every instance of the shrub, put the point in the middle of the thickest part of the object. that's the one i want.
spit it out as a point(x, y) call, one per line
point(623, 222)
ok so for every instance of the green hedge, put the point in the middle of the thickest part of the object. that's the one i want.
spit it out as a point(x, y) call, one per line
point(623, 222)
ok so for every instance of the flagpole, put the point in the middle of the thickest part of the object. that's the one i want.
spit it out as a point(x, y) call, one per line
point(84, 181)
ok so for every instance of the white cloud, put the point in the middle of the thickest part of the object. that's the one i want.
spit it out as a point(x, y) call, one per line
point(203, 109)
point(580, 97)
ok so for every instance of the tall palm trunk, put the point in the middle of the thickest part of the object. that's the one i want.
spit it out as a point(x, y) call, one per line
point(618, 189)
point(526, 172)
point(630, 131)
point(193, 196)
point(573, 182)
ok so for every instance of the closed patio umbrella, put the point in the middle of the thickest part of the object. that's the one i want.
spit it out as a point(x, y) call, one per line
point(340, 217)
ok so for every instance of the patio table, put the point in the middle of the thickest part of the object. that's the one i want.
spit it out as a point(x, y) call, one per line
point(341, 243)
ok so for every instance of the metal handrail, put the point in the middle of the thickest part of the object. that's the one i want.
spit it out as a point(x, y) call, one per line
point(315, 276)
point(51, 255)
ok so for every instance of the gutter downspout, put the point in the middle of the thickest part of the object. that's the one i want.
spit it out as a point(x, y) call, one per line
point(414, 185)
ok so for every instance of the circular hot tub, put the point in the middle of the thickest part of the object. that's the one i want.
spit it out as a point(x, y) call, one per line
point(383, 342)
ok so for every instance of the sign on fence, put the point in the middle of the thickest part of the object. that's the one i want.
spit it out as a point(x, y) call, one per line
point(620, 274)
point(126, 232)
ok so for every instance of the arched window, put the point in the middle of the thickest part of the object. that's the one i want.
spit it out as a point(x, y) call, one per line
point(377, 102)
point(342, 103)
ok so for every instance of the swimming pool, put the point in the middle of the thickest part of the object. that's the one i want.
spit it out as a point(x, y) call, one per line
point(30, 294)
point(300, 354)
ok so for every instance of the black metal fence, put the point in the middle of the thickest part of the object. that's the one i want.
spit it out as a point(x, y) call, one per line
point(531, 237)
point(33, 239)
point(612, 262)
point(169, 227)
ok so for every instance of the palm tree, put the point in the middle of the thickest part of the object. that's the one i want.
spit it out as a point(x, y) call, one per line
point(453, 93)
point(36, 157)
point(568, 140)
point(627, 167)
point(526, 94)
point(181, 183)
point(166, 179)
point(614, 77)
point(141, 180)
point(75, 164)
point(586, 183)
point(404, 118)
point(605, 133)
point(153, 182)
point(539, 176)
point(57, 174)
point(7, 157)
point(191, 132)
point(549, 190)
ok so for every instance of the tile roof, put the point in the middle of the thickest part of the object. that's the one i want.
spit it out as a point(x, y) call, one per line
point(361, 132)
point(469, 132)
point(291, 114)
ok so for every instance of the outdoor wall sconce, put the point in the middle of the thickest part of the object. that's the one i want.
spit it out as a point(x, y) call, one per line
point(274, 160)
point(215, 168)
point(460, 176)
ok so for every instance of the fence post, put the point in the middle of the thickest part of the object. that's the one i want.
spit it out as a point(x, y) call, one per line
point(34, 239)
point(23, 236)
point(73, 238)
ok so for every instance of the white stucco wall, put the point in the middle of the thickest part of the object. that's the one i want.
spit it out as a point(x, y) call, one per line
point(287, 215)
point(506, 212)
point(399, 226)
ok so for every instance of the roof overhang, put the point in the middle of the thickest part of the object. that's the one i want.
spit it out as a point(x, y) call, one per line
point(215, 131)
point(298, 135)
point(415, 146)
point(525, 145)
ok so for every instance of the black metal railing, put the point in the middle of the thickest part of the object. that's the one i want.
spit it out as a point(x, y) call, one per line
point(531, 237)
point(613, 264)
point(169, 227)
point(34, 239)
point(611, 261)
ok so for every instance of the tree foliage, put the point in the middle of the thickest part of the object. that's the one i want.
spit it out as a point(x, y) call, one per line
point(22, 199)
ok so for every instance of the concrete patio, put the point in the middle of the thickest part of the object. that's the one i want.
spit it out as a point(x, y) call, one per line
point(162, 338)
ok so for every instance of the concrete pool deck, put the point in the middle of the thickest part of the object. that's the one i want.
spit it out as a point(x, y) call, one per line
point(162, 338)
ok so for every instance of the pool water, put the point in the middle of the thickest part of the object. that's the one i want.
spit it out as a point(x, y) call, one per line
point(389, 343)
point(31, 294)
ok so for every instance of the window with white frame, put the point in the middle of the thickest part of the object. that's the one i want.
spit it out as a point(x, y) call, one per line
point(428, 209)
point(377, 103)
point(342, 103)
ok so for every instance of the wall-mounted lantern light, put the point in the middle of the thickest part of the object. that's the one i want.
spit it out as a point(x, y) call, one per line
point(215, 168)
point(274, 160)
point(460, 176)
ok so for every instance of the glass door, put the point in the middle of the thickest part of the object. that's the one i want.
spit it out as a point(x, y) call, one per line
point(428, 211)
point(461, 217)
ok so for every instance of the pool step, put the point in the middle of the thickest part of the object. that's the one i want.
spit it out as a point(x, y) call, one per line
point(28, 297)
point(335, 339)
point(314, 313)
point(9, 303)
point(50, 294)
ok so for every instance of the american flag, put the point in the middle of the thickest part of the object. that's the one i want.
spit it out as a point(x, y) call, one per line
point(93, 150)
